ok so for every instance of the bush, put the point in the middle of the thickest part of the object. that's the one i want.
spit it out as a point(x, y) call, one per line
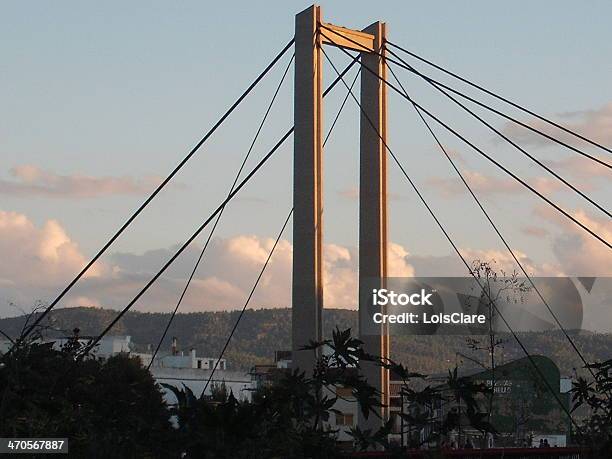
point(106, 409)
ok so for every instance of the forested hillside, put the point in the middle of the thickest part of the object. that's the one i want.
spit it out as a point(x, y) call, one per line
point(263, 331)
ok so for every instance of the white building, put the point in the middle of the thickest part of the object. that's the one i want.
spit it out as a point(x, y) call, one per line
point(108, 346)
point(5, 345)
point(188, 361)
point(176, 368)
point(195, 379)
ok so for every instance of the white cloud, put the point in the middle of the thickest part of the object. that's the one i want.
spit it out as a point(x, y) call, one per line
point(451, 265)
point(593, 124)
point(483, 184)
point(37, 261)
point(535, 231)
point(223, 280)
point(578, 252)
point(29, 180)
point(42, 256)
point(82, 301)
point(397, 261)
point(581, 168)
point(503, 261)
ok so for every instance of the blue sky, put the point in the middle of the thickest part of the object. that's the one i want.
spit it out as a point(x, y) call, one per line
point(120, 91)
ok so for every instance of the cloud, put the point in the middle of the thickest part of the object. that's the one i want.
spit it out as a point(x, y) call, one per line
point(582, 168)
point(593, 124)
point(535, 231)
point(397, 261)
point(39, 260)
point(223, 280)
point(36, 260)
point(480, 183)
point(29, 180)
point(452, 266)
point(229, 269)
point(231, 265)
point(489, 185)
point(503, 261)
point(456, 155)
point(578, 252)
point(340, 277)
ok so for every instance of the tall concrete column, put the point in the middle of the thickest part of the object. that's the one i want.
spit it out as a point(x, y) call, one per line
point(373, 209)
point(307, 294)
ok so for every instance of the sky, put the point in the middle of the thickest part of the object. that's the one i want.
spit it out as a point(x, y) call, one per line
point(102, 100)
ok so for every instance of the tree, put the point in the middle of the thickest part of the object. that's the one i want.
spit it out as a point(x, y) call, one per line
point(596, 430)
point(423, 426)
point(106, 409)
point(492, 286)
point(113, 408)
point(290, 417)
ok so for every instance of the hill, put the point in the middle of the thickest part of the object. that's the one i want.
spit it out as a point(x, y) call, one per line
point(263, 331)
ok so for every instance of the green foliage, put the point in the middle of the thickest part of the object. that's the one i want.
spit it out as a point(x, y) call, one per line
point(278, 423)
point(106, 409)
point(367, 438)
point(290, 417)
point(46, 391)
point(454, 391)
point(218, 392)
point(597, 395)
point(113, 408)
point(263, 331)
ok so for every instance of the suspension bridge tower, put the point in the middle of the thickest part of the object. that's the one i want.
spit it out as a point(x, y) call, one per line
point(311, 33)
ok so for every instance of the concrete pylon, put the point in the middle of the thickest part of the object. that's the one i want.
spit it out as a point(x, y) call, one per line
point(373, 210)
point(307, 293)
